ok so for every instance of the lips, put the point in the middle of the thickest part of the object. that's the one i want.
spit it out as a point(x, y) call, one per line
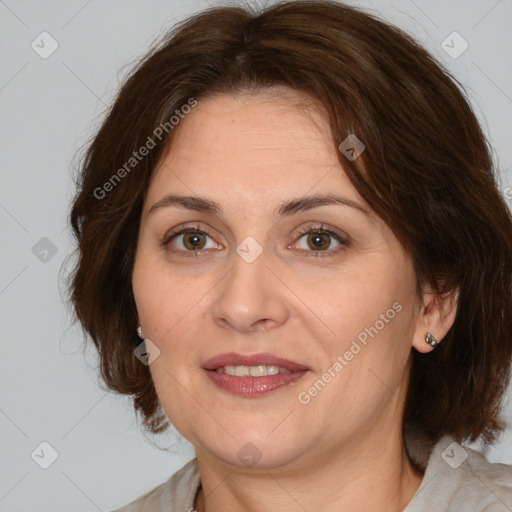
point(234, 373)
point(233, 359)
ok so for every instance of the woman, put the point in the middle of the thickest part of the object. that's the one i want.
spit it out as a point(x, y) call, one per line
point(296, 211)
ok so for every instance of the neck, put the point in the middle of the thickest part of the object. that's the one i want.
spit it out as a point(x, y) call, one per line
point(360, 476)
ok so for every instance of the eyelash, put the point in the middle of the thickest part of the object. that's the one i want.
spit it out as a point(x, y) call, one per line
point(320, 229)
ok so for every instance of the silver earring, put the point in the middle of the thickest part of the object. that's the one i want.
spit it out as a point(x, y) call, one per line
point(431, 340)
point(139, 332)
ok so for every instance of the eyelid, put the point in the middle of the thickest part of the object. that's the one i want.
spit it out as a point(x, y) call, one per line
point(183, 229)
point(342, 239)
point(320, 228)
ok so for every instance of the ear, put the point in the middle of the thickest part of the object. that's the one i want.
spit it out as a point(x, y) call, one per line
point(436, 316)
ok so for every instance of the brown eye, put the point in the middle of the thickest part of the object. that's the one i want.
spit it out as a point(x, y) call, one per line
point(319, 241)
point(190, 240)
point(194, 241)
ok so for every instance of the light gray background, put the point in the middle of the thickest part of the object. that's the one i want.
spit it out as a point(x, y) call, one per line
point(49, 107)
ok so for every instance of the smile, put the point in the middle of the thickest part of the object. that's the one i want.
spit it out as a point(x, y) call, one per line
point(261, 370)
point(254, 375)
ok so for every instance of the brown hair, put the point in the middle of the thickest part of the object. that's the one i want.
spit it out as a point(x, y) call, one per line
point(426, 171)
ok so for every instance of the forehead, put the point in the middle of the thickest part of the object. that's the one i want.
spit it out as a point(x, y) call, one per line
point(265, 145)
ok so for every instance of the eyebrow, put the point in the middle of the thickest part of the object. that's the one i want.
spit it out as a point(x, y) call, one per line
point(286, 208)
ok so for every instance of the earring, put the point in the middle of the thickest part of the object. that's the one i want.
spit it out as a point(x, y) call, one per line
point(431, 340)
point(139, 332)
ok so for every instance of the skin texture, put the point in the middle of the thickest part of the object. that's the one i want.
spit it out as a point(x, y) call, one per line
point(343, 450)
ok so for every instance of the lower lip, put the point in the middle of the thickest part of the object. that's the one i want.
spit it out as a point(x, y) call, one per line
point(253, 386)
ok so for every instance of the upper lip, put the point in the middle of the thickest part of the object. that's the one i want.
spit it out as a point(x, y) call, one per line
point(233, 359)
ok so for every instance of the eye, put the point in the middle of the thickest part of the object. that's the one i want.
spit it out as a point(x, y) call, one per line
point(318, 240)
point(190, 240)
point(315, 240)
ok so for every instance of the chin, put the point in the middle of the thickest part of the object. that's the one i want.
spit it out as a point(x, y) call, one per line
point(254, 447)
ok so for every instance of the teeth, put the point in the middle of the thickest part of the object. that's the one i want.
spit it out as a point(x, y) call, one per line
point(258, 371)
point(241, 371)
point(261, 370)
point(272, 370)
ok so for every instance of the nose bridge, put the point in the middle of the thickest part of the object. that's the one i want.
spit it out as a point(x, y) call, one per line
point(250, 294)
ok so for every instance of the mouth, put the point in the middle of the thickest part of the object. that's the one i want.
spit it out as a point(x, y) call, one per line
point(261, 370)
point(254, 375)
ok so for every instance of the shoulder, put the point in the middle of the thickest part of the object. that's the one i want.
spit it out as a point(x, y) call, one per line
point(458, 478)
point(176, 494)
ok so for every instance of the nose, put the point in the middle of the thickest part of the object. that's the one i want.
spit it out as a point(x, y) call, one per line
point(250, 297)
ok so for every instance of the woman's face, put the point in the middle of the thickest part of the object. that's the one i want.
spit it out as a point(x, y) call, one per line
point(268, 278)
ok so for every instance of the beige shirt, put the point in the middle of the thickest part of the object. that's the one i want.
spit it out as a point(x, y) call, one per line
point(457, 479)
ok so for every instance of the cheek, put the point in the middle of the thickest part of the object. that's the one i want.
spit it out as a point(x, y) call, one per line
point(370, 316)
point(163, 297)
point(350, 301)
